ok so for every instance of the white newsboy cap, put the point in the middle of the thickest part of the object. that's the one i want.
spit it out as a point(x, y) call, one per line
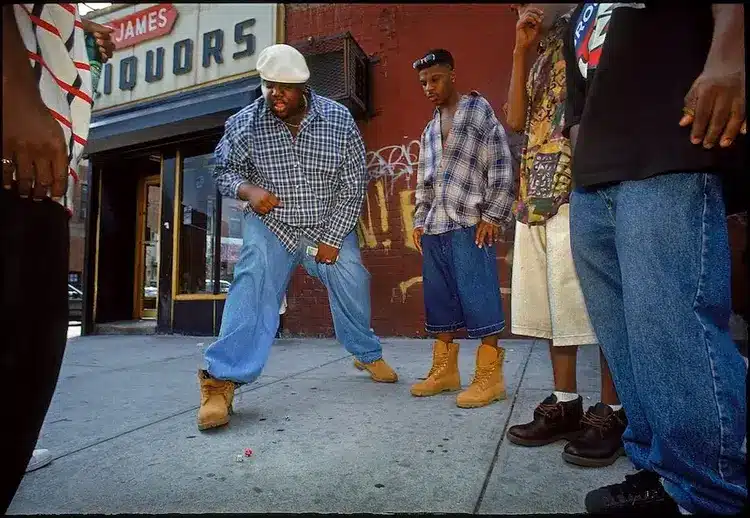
point(282, 64)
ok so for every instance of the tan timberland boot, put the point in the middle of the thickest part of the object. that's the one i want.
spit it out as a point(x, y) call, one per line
point(443, 375)
point(379, 371)
point(216, 401)
point(488, 384)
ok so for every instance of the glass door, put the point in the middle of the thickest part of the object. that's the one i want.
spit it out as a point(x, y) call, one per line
point(147, 261)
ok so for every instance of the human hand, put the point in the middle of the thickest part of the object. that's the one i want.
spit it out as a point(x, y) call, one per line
point(715, 104)
point(417, 237)
point(529, 28)
point(327, 254)
point(103, 36)
point(33, 147)
point(487, 233)
point(260, 199)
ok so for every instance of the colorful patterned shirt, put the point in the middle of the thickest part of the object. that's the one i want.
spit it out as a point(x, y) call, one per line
point(473, 179)
point(319, 176)
point(54, 39)
point(545, 177)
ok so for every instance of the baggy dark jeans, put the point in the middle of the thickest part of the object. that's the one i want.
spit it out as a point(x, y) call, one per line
point(34, 245)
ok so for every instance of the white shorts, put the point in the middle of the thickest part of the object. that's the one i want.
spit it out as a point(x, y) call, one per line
point(546, 298)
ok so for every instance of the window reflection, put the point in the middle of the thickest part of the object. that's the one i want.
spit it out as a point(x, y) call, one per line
point(198, 224)
point(232, 224)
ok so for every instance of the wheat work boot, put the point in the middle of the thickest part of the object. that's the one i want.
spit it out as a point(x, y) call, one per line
point(216, 401)
point(379, 371)
point(444, 375)
point(488, 384)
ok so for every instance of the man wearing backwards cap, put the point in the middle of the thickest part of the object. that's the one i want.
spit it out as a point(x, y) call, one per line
point(464, 196)
point(299, 161)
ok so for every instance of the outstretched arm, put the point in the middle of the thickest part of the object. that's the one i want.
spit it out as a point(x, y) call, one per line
point(527, 35)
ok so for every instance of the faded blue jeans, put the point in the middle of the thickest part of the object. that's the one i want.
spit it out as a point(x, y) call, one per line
point(653, 261)
point(261, 277)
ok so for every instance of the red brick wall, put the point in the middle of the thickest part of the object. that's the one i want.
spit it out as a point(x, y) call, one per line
point(480, 37)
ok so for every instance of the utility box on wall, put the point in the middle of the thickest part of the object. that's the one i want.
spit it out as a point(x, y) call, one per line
point(339, 70)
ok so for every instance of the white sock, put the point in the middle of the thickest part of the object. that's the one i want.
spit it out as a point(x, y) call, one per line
point(615, 408)
point(564, 397)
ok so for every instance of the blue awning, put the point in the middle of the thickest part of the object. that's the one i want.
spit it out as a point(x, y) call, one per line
point(177, 114)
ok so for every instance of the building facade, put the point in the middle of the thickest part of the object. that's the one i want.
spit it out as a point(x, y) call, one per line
point(153, 239)
point(481, 38)
point(161, 243)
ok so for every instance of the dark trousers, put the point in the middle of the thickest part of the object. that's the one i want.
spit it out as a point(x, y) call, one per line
point(34, 244)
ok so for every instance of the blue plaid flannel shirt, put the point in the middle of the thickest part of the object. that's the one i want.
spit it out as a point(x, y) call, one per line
point(320, 177)
point(473, 179)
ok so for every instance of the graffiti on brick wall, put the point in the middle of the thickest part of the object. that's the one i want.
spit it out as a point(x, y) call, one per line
point(387, 167)
point(393, 174)
point(392, 163)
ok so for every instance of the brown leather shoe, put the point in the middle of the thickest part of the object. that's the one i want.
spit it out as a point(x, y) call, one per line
point(600, 444)
point(552, 421)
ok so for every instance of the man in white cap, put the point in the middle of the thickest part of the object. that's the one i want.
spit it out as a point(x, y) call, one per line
point(299, 161)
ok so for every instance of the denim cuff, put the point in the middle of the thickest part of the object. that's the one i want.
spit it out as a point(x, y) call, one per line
point(486, 330)
point(432, 329)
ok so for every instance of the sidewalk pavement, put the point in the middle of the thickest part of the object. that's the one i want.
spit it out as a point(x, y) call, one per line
point(325, 438)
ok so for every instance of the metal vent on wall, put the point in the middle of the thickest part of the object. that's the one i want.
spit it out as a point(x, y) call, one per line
point(339, 70)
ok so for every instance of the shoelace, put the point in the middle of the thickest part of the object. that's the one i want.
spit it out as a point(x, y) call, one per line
point(439, 362)
point(482, 375)
point(550, 410)
point(601, 424)
point(214, 389)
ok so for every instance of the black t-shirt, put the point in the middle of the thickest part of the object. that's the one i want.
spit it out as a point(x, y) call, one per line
point(640, 61)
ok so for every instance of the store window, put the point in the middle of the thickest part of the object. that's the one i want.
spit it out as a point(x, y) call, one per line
point(197, 235)
point(210, 231)
point(232, 224)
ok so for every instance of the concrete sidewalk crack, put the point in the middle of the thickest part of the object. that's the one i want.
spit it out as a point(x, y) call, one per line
point(108, 370)
point(250, 388)
point(491, 468)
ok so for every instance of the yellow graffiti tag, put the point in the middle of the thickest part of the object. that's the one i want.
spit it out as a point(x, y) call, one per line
point(407, 217)
point(405, 285)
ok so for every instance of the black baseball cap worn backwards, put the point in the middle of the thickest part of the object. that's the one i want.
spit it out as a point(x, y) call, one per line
point(434, 57)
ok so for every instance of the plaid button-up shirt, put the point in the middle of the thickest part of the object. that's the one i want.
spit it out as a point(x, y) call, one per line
point(320, 176)
point(473, 179)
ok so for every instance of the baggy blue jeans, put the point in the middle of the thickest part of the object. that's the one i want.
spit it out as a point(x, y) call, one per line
point(653, 260)
point(461, 286)
point(261, 277)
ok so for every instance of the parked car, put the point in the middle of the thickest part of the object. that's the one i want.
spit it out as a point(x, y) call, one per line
point(75, 303)
point(223, 286)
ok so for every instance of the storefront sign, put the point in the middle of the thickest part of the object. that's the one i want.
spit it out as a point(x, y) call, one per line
point(144, 25)
point(163, 48)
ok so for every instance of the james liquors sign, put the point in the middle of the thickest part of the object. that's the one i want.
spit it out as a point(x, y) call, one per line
point(161, 48)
